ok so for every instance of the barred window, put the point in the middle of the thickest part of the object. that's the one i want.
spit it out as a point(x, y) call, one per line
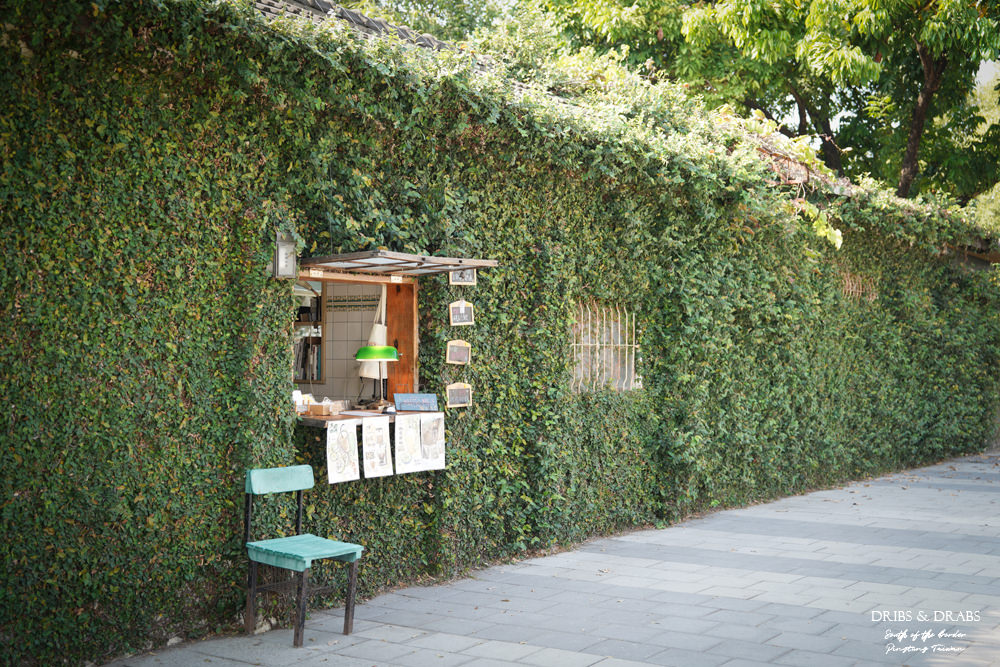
point(858, 287)
point(605, 347)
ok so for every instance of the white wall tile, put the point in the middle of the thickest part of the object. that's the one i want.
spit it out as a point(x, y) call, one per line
point(354, 386)
point(357, 333)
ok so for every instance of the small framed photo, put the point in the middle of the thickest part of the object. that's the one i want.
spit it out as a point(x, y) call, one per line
point(459, 395)
point(462, 277)
point(460, 314)
point(459, 352)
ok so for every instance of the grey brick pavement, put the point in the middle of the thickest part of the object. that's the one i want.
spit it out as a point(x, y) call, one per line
point(880, 572)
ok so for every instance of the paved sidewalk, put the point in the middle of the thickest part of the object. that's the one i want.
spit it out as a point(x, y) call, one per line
point(904, 569)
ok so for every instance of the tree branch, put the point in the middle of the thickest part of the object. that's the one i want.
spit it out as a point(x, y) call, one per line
point(933, 75)
point(831, 152)
point(751, 103)
point(803, 118)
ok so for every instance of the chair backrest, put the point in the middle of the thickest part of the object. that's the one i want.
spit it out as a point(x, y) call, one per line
point(278, 480)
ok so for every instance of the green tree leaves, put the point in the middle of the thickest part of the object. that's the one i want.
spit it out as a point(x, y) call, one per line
point(868, 79)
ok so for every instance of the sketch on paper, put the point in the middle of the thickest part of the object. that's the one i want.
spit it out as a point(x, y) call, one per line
point(375, 437)
point(342, 451)
point(432, 440)
point(408, 455)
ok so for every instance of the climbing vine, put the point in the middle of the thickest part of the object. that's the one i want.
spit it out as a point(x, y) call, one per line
point(148, 152)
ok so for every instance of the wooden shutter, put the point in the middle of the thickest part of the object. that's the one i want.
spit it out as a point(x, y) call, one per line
point(401, 324)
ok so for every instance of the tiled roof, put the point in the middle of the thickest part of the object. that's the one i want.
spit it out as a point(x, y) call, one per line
point(368, 27)
point(790, 169)
point(318, 10)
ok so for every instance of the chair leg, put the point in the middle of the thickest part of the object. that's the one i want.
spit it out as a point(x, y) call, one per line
point(352, 584)
point(300, 607)
point(250, 615)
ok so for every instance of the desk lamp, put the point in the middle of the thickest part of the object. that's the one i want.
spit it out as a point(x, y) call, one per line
point(378, 353)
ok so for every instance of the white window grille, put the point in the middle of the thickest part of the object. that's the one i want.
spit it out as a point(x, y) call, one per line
point(858, 287)
point(605, 347)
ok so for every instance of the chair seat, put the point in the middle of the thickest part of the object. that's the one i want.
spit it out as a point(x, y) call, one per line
point(299, 551)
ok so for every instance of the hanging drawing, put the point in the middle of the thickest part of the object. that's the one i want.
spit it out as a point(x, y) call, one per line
point(342, 451)
point(409, 457)
point(375, 444)
point(432, 440)
point(459, 352)
point(460, 314)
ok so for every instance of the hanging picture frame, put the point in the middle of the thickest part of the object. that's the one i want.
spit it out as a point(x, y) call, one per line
point(461, 313)
point(459, 352)
point(420, 442)
point(459, 395)
point(462, 277)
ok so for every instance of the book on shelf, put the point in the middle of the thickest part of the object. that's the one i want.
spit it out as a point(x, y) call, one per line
point(308, 359)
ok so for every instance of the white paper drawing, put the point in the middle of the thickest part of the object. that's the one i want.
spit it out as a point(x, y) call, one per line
point(375, 437)
point(342, 451)
point(408, 455)
point(432, 440)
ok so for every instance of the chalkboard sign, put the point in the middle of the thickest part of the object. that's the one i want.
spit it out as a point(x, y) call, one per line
point(418, 402)
point(459, 352)
point(462, 277)
point(461, 314)
point(459, 395)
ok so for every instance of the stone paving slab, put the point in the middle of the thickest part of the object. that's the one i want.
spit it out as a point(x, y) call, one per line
point(901, 570)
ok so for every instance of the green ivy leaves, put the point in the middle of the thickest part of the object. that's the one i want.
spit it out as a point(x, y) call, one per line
point(146, 351)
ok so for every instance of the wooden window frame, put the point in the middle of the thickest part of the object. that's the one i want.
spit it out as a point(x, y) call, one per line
point(399, 272)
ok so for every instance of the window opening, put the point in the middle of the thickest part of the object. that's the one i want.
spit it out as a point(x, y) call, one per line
point(347, 290)
point(605, 347)
point(335, 320)
point(858, 287)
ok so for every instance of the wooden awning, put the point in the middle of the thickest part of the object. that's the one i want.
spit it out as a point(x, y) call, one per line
point(385, 266)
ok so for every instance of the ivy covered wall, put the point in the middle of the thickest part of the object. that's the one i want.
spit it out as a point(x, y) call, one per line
point(149, 150)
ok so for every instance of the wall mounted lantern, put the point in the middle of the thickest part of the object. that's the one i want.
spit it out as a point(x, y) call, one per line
point(285, 259)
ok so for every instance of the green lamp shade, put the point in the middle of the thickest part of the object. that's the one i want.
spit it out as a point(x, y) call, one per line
point(377, 353)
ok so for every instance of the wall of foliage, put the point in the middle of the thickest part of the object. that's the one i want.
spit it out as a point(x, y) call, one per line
point(150, 150)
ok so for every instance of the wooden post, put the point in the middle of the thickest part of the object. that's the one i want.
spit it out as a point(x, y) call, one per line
point(300, 608)
point(352, 585)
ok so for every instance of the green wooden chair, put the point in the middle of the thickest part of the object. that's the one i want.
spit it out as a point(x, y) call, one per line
point(295, 553)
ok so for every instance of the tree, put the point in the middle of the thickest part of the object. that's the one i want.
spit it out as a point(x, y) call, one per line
point(987, 99)
point(864, 75)
point(988, 209)
point(932, 49)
